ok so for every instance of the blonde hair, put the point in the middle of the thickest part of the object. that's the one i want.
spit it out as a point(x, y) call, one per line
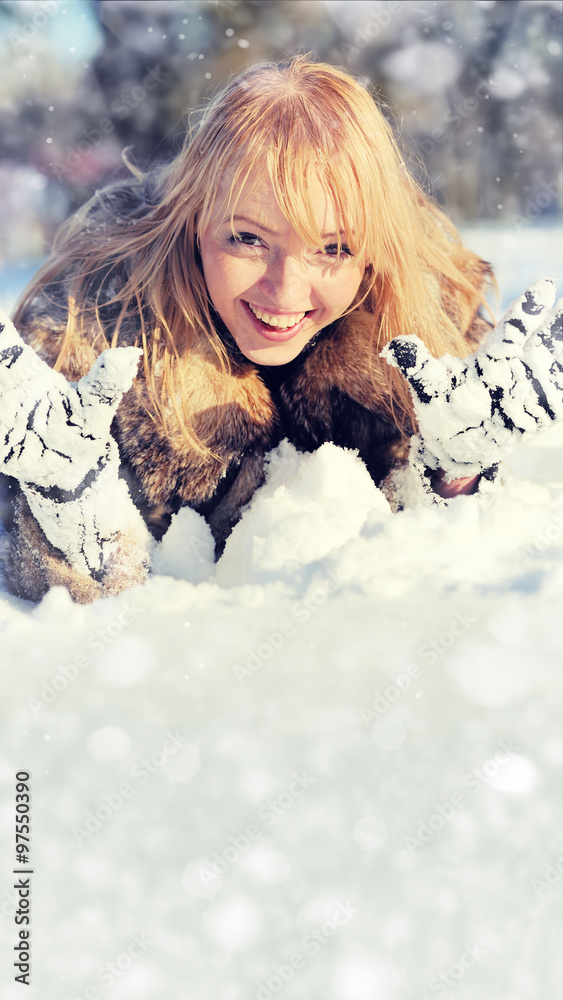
point(281, 120)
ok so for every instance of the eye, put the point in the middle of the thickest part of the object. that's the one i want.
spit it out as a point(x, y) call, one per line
point(245, 239)
point(332, 250)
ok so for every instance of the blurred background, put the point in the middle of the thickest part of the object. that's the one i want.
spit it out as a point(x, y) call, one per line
point(473, 88)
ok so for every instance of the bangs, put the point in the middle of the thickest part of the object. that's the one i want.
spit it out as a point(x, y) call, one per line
point(289, 144)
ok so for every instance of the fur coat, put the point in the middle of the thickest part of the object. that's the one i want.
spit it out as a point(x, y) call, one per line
point(325, 394)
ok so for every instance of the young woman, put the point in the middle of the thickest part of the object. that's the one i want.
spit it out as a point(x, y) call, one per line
point(259, 277)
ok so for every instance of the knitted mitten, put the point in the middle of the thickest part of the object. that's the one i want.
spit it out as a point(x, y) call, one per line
point(55, 440)
point(471, 411)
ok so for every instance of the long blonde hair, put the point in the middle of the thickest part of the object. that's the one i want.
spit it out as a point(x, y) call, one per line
point(282, 120)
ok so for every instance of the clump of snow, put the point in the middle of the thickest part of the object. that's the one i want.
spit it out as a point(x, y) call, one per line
point(187, 550)
point(310, 506)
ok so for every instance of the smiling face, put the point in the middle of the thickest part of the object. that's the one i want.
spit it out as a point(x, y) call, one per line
point(272, 290)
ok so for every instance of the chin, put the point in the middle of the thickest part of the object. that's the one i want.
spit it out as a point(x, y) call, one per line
point(272, 355)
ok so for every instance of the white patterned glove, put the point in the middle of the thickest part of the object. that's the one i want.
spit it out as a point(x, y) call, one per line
point(473, 410)
point(55, 440)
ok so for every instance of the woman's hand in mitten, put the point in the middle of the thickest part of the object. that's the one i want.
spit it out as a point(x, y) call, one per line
point(54, 433)
point(55, 440)
point(472, 410)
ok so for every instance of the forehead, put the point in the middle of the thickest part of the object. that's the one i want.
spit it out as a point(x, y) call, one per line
point(304, 201)
point(258, 198)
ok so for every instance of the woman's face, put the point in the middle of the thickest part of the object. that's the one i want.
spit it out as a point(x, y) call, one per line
point(272, 291)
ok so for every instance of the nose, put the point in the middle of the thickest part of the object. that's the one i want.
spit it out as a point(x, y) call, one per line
point(287, 282)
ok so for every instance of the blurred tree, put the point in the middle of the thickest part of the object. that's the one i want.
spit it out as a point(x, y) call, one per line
point(472, 86)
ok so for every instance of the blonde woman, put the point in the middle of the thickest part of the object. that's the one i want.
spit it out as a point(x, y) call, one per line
point(256, 283)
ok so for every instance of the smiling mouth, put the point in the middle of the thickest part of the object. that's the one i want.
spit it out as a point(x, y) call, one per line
point(293, 323)
point(277, 321)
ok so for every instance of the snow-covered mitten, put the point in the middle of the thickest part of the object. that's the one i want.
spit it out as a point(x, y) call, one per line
point(473, 410)
point(55, 440)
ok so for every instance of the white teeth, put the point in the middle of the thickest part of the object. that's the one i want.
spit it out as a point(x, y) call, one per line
point(281, 322)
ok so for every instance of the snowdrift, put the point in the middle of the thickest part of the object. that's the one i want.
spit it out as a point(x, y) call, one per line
point(324, 767)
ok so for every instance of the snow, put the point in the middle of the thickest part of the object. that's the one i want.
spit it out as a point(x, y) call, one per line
point(472, 412)
point(56, 434)
point(518, 251)
point(326, 766)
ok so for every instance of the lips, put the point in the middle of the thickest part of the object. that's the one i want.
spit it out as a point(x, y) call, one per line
point(277, 320)
point(276, 334)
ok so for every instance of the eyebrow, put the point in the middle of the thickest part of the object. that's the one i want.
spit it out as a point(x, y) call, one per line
point(271, 232)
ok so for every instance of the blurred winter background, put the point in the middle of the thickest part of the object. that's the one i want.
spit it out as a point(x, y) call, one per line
point(327, 767)
point(473, 86)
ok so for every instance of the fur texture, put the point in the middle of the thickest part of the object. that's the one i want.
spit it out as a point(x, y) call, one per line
point(32, 565)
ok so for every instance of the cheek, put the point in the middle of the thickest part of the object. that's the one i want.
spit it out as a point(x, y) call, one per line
point(344, 291)
point(211, 260)
point(225, 276)
point(216, 275)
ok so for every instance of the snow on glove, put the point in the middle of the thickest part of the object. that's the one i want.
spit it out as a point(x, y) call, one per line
point(55, 440)
point(472, 410)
